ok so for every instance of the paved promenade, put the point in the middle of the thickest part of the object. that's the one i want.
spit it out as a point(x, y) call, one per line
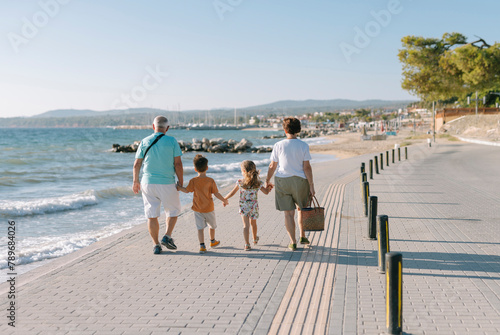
point(444, 217)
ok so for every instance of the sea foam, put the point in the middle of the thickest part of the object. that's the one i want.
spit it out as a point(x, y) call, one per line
point(63, 203)
point(228, 167)
point(41, 248)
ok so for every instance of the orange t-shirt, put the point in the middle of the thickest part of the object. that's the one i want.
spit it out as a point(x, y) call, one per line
point(203, 189)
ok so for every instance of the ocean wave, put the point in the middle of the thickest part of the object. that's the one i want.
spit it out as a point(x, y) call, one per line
point(8, 181)
point(228, 167)
point(37, 249)
point(63, 203)
point(115, 192)
point(12, 173)
point(16, 161)
point(48, 205)
point(317, 140)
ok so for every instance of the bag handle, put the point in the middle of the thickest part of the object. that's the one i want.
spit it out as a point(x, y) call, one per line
point(312, 202)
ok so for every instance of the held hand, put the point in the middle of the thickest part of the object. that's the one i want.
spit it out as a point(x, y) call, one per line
point(225, 202)
point(136, 187)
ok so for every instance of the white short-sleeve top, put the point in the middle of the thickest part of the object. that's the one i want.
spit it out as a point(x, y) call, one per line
point(290, 155)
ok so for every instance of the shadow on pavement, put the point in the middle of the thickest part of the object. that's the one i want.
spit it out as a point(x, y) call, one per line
point(419, 203)
point(437, 241)
point(411, 192)
point(232, 252)
point(445, 219)
point(431, 261)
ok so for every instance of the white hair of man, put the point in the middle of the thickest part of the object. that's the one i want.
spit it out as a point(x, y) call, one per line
point(160, 122)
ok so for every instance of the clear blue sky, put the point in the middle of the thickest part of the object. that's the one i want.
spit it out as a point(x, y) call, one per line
point(89, 54)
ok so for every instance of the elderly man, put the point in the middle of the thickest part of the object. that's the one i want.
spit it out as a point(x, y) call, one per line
point(161, 156)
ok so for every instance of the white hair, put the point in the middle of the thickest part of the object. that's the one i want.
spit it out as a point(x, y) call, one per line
point(160, 122)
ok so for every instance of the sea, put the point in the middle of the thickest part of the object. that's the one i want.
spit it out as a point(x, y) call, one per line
point(65, 189)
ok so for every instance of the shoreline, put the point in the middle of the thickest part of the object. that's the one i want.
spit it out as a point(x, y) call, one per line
point(262, 129)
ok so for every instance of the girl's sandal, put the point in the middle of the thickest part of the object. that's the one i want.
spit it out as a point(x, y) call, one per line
point(256, 240)
point(247, 247)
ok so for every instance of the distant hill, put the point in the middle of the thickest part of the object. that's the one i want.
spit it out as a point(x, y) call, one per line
point(68, 112)
point(335, 104)
point(87, 112)
point(68, 118)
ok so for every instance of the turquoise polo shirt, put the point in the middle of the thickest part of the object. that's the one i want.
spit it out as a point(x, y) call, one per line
point(158, 166)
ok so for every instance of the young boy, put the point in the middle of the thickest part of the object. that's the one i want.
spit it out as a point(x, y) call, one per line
point(203, 203)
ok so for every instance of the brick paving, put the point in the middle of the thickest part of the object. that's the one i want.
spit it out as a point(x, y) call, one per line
point(443, 208)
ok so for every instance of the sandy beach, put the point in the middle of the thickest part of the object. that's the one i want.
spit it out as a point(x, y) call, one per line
point(349, 144)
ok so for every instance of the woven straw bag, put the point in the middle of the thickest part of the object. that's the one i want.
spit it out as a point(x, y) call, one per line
point(313, 218)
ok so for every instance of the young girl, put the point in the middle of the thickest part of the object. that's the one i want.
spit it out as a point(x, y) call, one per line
point(249, 207)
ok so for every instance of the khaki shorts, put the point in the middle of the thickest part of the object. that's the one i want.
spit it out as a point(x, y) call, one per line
point(205, 219)
point(291, 191)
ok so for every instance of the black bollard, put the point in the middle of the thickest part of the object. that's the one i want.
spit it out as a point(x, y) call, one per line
point(394, 292)
point(366, 195)
point(363, 179)
point(383, 240)
point(406, 153)
point(381, 161)
point(393, 155)
point(363, 167)
point(387, 158)
point(399, 154)
point(371, 169)
point(372, 218)
point(375, 160)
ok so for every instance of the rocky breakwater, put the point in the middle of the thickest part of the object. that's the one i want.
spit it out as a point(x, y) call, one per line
point(126, 148)
point(216, 145)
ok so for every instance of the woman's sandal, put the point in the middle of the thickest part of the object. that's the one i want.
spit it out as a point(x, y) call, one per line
point(247, 247)
point(256, 240)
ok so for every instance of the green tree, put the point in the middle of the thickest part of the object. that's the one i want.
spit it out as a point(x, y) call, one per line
point(476, 67)
point(441, 69)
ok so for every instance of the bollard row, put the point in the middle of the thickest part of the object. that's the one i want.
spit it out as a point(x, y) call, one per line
point(390, 263)
point(373, 164)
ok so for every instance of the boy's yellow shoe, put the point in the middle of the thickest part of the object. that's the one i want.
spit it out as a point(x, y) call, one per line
point(214, 243)
point(203, 250)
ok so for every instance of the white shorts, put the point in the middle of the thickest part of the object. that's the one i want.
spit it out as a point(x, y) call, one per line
point(205, 219)
point(154, 195)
